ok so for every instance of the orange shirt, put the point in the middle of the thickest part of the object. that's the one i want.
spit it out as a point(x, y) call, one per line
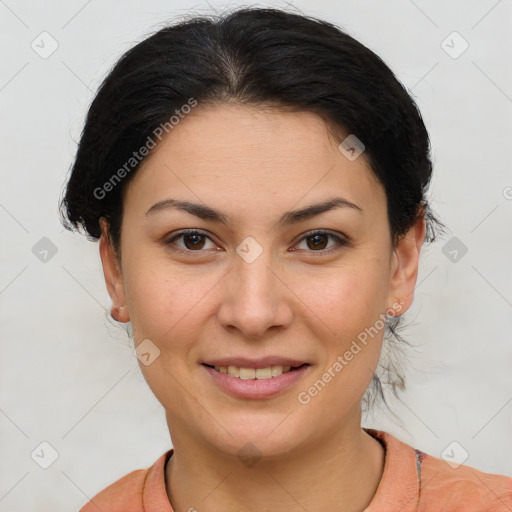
point(412, 481)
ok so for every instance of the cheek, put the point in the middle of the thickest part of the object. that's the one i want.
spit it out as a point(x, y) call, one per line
point(166, 303)
point(165, 308)
point(351, 307)
point(348, 298)
point(350, 302)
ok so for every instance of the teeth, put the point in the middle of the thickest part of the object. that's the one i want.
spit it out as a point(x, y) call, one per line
point(252, 373)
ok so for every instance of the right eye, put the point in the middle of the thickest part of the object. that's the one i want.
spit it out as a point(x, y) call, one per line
point(191, 237)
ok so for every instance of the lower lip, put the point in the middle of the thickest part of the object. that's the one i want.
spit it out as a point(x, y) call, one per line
point(256, 388)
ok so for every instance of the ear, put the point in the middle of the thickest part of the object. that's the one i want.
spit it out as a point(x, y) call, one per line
point(405, 261)
point(113, 275)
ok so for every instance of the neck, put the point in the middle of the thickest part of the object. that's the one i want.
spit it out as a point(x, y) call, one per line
point(341, 473)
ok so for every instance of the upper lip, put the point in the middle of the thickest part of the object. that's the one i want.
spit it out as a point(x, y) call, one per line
point(263, 362)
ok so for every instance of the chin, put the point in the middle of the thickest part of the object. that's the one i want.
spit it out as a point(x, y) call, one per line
point(259, 439)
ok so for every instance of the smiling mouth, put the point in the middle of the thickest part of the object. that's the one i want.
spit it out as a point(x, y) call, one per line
point(255, 373)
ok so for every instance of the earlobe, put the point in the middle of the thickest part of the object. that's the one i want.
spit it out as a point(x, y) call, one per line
point(119, 314)
point(113, 275)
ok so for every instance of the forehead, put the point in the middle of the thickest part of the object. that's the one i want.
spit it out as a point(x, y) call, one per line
point(222, 152)
point(247, 133)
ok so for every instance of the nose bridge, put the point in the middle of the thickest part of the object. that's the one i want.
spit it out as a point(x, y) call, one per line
point(256, 299)
point(253, 270)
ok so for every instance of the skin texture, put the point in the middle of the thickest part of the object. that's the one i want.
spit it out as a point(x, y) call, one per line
point(294, 300)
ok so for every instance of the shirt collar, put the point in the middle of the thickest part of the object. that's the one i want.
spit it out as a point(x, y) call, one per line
point(399, 485)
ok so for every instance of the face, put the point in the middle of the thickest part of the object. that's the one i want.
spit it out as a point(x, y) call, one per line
point(251, 282)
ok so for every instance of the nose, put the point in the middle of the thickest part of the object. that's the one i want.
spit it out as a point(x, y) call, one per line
point(255, 297)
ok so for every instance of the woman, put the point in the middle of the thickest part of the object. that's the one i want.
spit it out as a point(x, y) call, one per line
point(258, 184)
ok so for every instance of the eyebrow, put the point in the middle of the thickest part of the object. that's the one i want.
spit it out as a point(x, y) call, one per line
point(291, 217)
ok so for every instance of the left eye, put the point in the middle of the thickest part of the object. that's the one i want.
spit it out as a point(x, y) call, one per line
point(318, 238)
point(194, 241)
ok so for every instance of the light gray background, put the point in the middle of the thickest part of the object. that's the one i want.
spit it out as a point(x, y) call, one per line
point(68, 375)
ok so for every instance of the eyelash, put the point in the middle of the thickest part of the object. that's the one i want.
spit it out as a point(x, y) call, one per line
point(168, 243)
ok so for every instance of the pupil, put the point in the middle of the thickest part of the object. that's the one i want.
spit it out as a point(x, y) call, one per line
point(196, 237)
point(316, 244)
